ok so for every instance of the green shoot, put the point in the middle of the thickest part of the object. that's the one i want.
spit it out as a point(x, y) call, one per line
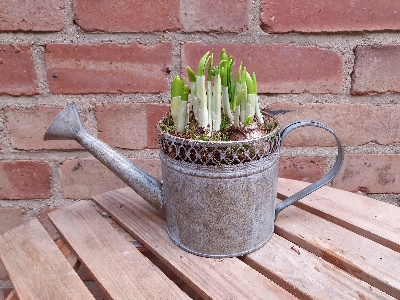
point(176, 87)
point(179, 100)
point(185, 93)
point(239, 97)
point(210, 67)
point(243, 102)
point(214, 90)
point(202, 64)
point(251, 88)
point(259, 115)
point(239, 74)
point(248, 121)
point(201, 92)
point(223, 55)
point(209, 90)
point(192, 76)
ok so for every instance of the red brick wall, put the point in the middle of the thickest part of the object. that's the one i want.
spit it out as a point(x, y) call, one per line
point(336, 62)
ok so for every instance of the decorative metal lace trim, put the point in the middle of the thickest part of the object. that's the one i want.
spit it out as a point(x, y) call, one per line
point(212, 153)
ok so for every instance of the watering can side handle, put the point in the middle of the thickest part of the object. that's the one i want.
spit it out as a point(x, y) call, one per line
point(319, 183)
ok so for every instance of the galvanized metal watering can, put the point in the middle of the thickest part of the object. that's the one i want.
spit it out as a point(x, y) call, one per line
point(218, 198)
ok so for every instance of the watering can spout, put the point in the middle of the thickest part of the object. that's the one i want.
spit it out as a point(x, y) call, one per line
point(67, 126)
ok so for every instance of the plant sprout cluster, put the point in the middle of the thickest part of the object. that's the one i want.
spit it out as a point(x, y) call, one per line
point(215, 93)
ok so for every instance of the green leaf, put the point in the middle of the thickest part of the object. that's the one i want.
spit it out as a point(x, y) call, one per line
point(231, 82)
point(185, 93)
point(232, 92)
point(210, 67)
point(192, 76)
point(239, 74)
point(223, 76)
point(202, 64)
point(248, 121)
point(223, 63)
point(243, 76)
point(216, 71)
point(239, 97)
point(223, 55)
point(176, 87)
point(250, 84)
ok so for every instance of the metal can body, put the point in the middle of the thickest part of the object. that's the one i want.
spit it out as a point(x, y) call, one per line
point(220, 211)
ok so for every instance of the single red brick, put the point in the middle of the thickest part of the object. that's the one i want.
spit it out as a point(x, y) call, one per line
point(107, 68)
point(127, 16)
point(44, 15)
point(279, 68)
point(372, 173)
point(376, 70)
point(209, 15)
point(308, 169)
point(17, 69)
point(84, 178)
point(123, 125)
point(28, 127)
point(155, 112)
point(355, 124)
point(329, 16)
point(11, 217)
point(24, 180)
point(126, 125)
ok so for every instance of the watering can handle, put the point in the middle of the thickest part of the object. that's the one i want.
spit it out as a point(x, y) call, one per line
point(319, 183)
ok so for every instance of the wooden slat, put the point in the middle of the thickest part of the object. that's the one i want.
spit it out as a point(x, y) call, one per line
point(36, 267)
point(118, 267)
point(68, 254)
point(212, 278)
point(306, 275)
point(363, 258)
point(368, 217)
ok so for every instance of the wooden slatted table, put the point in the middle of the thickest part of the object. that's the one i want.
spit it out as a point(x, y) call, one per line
point(331, 245)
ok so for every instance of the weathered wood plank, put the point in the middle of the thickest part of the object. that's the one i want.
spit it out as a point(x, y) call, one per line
point(357, 255)
point(36, 267)
point(68, 254)
point(368, 217)
point(116, 265)
point(211, 278)
point(306, 275)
